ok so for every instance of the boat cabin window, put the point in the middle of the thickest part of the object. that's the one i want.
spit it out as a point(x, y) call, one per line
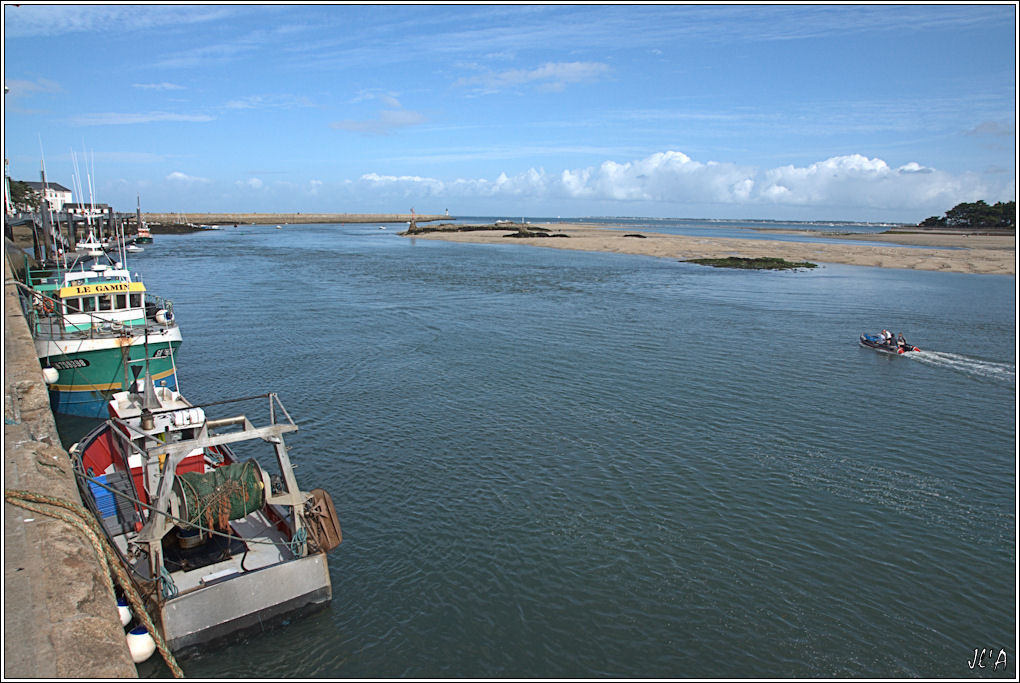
point(73, 305)
point(121, 301)
point(105, 302)
point(136, 299)
point(88, 304)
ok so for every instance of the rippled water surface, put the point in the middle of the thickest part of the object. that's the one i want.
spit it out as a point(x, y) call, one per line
point(564, 464)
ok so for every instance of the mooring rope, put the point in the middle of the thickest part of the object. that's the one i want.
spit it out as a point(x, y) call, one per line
point(80, 518)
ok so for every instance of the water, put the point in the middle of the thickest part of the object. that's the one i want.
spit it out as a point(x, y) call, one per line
point(561, 464)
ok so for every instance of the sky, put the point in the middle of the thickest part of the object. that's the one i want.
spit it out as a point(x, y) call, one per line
point(733, 111)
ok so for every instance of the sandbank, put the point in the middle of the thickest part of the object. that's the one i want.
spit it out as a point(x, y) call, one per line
point(979, 254)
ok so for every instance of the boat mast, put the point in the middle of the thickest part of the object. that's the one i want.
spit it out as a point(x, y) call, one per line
point(81, 194)
point(44, 217)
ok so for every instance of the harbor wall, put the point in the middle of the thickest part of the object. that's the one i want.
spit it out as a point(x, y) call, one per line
point(60, 616)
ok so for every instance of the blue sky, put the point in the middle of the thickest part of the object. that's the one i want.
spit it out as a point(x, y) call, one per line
point(799, 112)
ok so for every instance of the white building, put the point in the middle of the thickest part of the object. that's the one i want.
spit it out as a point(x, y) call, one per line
point(56, 194)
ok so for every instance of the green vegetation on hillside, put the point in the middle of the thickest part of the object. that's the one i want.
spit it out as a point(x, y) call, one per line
point(23, 197)
point(977, 214)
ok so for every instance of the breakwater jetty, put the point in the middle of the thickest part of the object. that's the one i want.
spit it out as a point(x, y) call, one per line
point(216, 219)
point(60, 613)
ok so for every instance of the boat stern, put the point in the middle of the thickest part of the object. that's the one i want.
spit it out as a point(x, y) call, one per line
point(236, 602)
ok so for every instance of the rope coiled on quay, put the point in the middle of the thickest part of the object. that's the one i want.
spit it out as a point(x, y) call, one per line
point(78, 517)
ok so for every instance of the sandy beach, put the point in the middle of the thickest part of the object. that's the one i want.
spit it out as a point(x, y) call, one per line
point(980, 254)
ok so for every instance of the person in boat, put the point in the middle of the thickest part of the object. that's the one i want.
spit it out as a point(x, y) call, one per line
point(887, 337)
point(900, 341)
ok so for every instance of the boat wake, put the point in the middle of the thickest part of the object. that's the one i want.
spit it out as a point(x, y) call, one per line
point(1005, 372)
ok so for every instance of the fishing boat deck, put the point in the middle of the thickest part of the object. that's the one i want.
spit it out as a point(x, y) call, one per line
point(257, 543)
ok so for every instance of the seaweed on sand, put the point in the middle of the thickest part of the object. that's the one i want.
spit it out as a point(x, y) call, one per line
point(762, 263)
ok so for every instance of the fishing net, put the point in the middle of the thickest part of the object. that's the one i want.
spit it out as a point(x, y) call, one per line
point(212, 499)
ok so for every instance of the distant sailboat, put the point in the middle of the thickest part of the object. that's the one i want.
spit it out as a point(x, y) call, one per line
point(143, 236)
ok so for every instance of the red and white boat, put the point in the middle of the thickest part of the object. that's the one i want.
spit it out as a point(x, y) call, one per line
point(216, 543)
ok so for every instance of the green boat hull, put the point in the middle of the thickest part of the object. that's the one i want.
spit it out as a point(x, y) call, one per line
point(88, 379)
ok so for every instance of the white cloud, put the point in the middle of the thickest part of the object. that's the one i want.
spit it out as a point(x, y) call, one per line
point(25, 21)
point(1000, 129)
point(855, 179)
point(178, 177)
point(251, 184)
point(914, 167)
point(387, 121)
point(405, 185)
point(673, 178)
point(157, 86)
point(237, 47)
point(122, 118)
point(549, 76)
point(282, 101)
point(389, 99)
point(16, 87)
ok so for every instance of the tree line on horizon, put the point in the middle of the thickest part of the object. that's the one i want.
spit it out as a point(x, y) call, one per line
point(979, 214)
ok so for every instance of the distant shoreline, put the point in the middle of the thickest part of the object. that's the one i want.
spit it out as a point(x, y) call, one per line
point(199, 219)
point(961, 251)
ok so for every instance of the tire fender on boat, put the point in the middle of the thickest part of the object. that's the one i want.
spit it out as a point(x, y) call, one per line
point(322, 523)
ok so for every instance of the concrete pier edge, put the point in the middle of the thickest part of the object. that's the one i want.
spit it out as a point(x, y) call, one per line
point(60, 618)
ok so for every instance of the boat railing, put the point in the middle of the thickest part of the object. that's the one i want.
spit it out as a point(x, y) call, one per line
point(275, 408)
point(45, 316)
point(160, 303)
point(280, 421)
point(37, 276)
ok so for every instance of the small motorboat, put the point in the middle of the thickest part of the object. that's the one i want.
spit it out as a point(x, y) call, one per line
point(875, 341)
